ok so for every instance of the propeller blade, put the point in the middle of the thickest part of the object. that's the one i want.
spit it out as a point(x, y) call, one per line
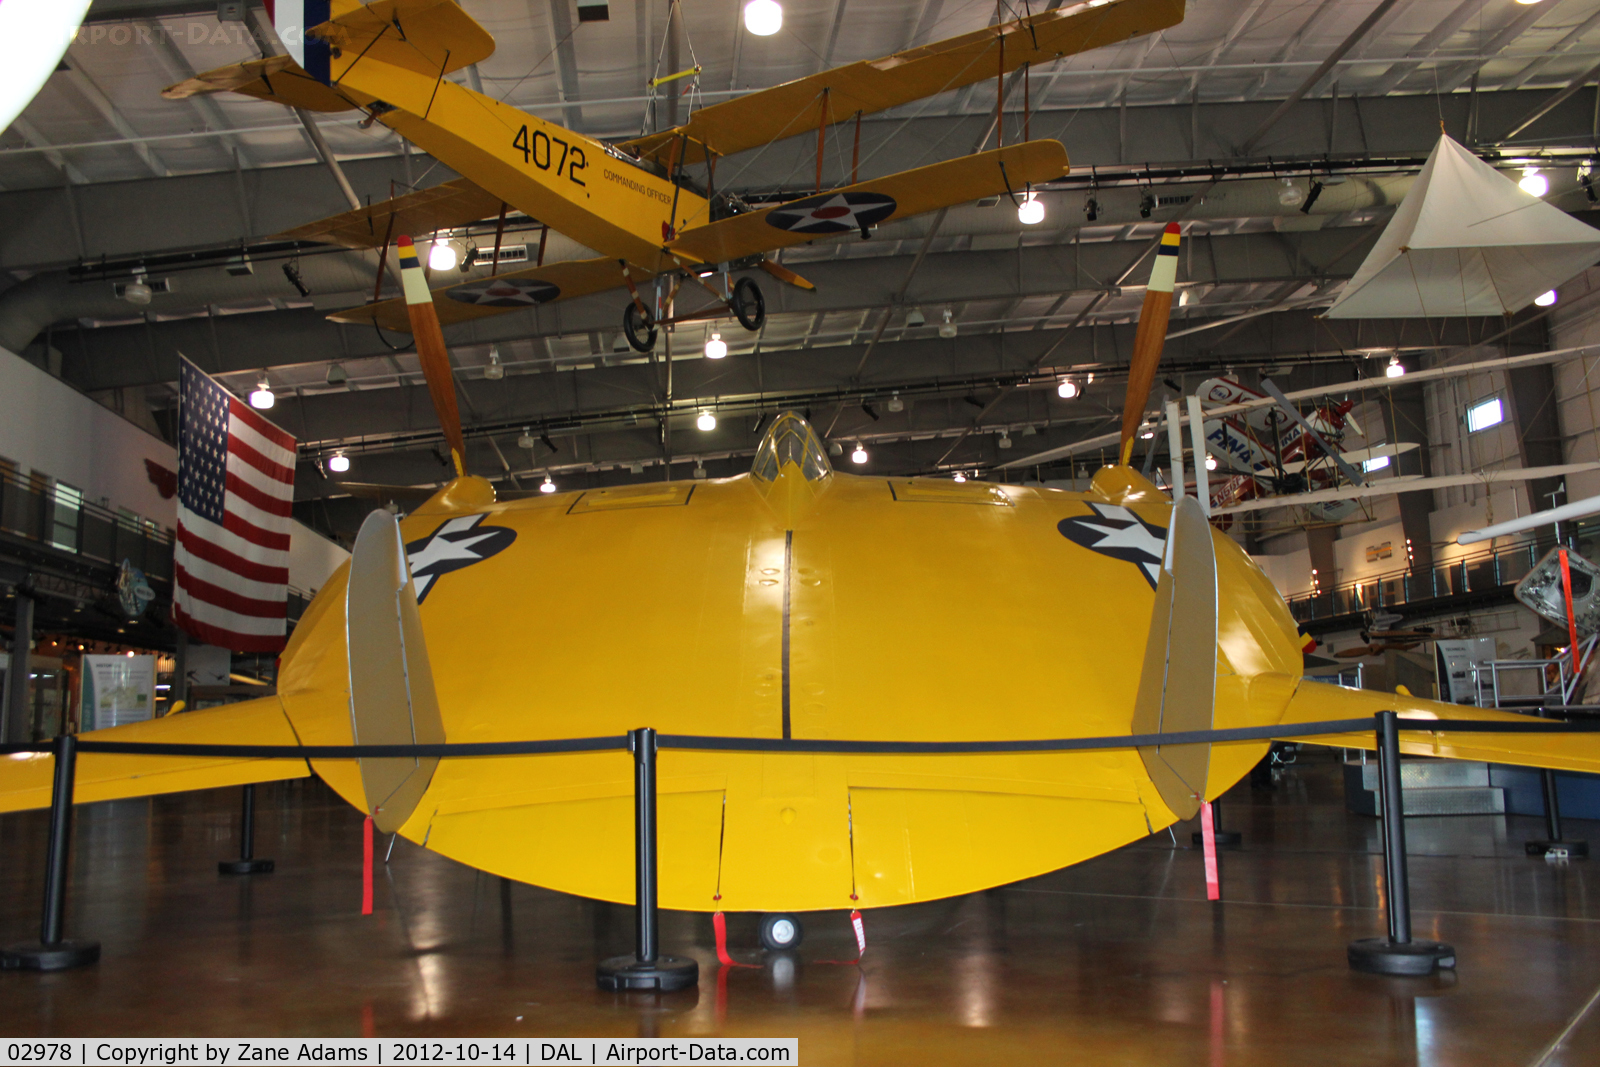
point(431, 351)
point(1150, 338)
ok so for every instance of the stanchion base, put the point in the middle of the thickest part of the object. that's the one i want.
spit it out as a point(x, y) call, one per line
point(1379, 955)
point(664, 974)
point(245, 867)
point(1222, 837)
point(37, 956)
point(1571, 850)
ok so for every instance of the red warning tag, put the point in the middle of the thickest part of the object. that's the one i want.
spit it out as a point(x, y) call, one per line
point(861, 933)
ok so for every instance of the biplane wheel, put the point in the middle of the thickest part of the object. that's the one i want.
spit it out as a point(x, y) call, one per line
point(641, 332)
point(780, 932)
point(749, 306)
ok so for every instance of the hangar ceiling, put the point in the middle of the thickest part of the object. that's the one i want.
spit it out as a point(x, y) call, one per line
point(1223, 122)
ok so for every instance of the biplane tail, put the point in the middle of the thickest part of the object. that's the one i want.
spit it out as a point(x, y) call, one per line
point(25, 778)
point(323, 38)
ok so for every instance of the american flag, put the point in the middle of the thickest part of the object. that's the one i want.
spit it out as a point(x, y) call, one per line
point(235, 495)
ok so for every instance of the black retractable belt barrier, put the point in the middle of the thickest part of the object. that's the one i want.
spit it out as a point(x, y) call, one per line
point(1554, 846)
point(247, 862)
point(52, 952)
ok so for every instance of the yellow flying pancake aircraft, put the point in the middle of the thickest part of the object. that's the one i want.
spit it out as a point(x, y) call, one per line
point(796, 602)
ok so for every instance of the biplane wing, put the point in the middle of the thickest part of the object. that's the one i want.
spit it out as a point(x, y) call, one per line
point(865, 204)
point(444, 206)
point(875, 85)
point(278, 79)
point(510, 291)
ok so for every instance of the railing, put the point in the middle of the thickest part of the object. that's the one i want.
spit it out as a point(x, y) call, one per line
point(1477, 572)
point(53, 514)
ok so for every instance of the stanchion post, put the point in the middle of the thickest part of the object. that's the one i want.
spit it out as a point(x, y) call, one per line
point(1219, 836)
point(247, 862)
point(1396, 954)
point(1553, 846)
point(646, 969)
point(52, 952)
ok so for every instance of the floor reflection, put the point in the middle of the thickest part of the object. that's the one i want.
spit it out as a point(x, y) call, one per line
point(1117, 960)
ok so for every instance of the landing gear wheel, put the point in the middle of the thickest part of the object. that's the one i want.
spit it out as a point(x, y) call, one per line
point(638, 327)
point(779, 933)
point(749, 306)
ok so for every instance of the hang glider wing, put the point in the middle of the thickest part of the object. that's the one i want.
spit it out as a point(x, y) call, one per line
point(874, 85)
point(1409, 484)
point(510, 291)
point(866, 204)
point(447, 205)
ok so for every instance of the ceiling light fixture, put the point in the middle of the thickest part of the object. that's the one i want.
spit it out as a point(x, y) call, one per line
point(1005, 439)
point(706, 422)
point(527, 440)
point(1311, 197)
point(1290, 195)
point(1533, 183)
point(138, 292)
point(337, 374)
point(763, 17)
point(716, 348)
point(547, 486)
point(1546, 300)
point(262, 398)
point(895, 404)
point(1395, 368)
point(495, 370)
point(338, 463)
point(1031, 211)
point(859, 455)
point(1091, 208)
point(959, 476)
point(442, 256)
point(1183, 297)
point(948, 328)
point(1067, 389)
point(1211, 462)
point(1147, 203)
point(915, 318)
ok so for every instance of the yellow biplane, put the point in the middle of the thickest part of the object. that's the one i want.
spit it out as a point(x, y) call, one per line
point(793, 602)
point(634, 202)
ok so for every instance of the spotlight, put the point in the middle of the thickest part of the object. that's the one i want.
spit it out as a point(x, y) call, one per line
point(835, 448)
point(1147, 204)
point(544, 439)
point(914, 318)
point(1183, 298)
point(1311, 197)
point(1031, 211)
point(763, 17)
point(1211, 462)
point(1586, 177)
point(262, 398)
point(442, 256)
point(1394, 369)
point(291, 271)
point(137, 292)
point(870, 411)
point(716, 348)
point(1091, 207)
point(947, 329)
point(1067, 389)
point(1146, 431)
point(338, 463)
point(859, 455)
point(895, 403)
point(959, 476)
point(1533, 183)
point(706, 422)
point(547, 486)
point(1290, 195)
point(495, 370)
point(1546, 300)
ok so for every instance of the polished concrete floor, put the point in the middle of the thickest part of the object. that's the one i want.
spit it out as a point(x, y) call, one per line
point(1117, 961)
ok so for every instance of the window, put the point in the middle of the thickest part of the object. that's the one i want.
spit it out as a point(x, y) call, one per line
point(1376, 463)
point(64, 527)
point(1484, 414)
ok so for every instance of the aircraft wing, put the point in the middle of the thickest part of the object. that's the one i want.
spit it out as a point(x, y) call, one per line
point(897, 196)
point(449, 204)
point(510, 291)
point(1359, 455)
point(874, 85)
point(1407, 484)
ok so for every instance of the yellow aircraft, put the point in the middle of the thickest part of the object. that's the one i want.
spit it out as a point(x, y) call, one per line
point(796, 602)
